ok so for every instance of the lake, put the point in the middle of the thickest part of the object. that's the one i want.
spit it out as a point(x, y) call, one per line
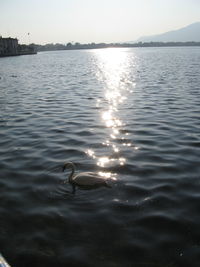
point(133, 116)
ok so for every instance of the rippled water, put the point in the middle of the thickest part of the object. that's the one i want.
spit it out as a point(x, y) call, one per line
point(130, 114)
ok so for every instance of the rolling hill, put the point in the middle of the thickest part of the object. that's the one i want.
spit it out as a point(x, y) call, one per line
point(186, 34)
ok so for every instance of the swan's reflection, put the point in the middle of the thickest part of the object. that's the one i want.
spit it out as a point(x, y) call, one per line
point(113, 71)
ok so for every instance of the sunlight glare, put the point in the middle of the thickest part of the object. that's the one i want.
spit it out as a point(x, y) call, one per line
point(113, 67)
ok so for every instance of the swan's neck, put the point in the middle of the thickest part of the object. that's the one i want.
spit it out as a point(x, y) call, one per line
point(70, 165)
point(70, 179)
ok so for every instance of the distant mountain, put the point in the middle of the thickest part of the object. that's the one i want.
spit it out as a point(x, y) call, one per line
point(186, 34)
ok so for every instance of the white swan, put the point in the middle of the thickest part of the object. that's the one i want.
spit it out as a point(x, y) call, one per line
point(85, 180)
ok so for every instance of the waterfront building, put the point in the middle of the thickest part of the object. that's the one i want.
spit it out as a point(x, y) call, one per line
point(8, 46)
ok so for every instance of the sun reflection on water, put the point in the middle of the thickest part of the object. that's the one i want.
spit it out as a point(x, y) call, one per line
point(113, 72)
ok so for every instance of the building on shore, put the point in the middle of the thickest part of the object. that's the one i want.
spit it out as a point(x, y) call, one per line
point(10, 47)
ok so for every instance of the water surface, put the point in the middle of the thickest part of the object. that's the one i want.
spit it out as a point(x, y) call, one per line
point(130, 114)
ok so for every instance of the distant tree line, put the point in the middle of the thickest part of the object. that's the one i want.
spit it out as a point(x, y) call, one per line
point(22, 48)
point(73, 46)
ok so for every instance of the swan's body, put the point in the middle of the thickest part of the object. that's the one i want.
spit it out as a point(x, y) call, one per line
point(86, 180)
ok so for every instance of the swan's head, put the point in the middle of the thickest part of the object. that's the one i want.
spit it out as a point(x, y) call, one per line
point(68, 165)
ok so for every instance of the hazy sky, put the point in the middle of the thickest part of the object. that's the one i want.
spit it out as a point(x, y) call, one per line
point(85, 21)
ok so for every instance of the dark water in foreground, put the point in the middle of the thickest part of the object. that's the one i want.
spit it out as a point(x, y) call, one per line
point(131, 114)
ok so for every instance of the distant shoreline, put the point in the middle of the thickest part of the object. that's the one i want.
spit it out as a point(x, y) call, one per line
point(34, 48)
point(77, 46)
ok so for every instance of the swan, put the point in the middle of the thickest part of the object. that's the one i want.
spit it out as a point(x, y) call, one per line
point(85, 180)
